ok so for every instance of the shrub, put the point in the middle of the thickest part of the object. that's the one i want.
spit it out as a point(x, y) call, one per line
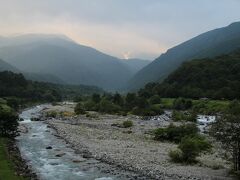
point(155, 99)
point(153, 110)
point(175, 133)
point(8, 121)
point(189, 148)
point(51, 114)
point(91, 106)
point(192, 147)
point(67, 114)
point(107, 106)
point(176, 155)
point(182, 104)
point(180, 116)
point(127, 124)
point(79, 109)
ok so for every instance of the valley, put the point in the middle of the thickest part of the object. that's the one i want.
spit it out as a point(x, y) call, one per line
point(127, 150)
point(119, 90)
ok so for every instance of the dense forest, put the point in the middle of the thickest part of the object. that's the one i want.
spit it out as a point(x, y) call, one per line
point(215, 78)
point(17, 90)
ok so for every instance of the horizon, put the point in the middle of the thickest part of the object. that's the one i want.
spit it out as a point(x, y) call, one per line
point(145, 30)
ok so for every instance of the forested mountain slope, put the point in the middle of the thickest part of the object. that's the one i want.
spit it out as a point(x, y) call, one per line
point(210, 44)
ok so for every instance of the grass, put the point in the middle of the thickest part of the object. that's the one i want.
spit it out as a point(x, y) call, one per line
point(6, 166)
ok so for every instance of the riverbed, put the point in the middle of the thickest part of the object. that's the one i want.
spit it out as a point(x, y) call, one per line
point(50, 157)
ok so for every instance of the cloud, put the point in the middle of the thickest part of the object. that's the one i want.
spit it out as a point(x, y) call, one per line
point(145, 28)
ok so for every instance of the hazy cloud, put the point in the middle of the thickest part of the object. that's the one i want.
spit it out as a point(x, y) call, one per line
point(132, 28)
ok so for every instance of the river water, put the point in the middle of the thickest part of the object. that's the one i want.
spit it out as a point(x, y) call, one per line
point(69, 166)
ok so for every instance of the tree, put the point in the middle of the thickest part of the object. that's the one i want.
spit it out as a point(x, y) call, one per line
point(130, 100)
point(107, 106)
point(190, 147)
point(227, 130)
point(96, 98)
point(8, 121)
point(155, 99)
point(117, 99)
point(79, 109)
point(182, 104)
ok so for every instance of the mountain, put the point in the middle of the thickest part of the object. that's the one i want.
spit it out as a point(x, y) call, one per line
point(61, 57)
point(136, 64)
point(7, 67)
point(43, 78)
point(30, 76)
point(209, 44)
point(215, 78)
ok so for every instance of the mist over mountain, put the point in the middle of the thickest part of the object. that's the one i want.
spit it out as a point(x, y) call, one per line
point(58, 56)
point(7, 67)
point(209, 44)
point(136, 64)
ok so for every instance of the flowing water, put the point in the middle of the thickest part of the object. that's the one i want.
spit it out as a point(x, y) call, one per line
point(44, 162)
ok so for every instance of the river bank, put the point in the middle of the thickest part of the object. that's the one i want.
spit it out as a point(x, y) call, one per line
point(132, 149)
point(13, 166)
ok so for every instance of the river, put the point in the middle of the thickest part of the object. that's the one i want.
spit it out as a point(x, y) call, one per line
point(59, 162)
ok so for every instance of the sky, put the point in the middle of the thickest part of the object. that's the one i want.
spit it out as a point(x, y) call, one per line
point(122, 28)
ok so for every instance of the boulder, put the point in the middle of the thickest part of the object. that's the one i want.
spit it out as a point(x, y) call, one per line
point(49, 147)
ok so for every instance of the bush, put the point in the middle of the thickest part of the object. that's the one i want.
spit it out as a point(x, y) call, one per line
point(180, 116)
point(127, 124)
point(79, 109)
point(189, 148)
point(182, 104)
point(91, 106)
point(153, 110)
point(192, 147)
point(155, 99)
point(175, 133)
point(8, 121)
point(176, 155)
point(51, 114)
point(107, 106)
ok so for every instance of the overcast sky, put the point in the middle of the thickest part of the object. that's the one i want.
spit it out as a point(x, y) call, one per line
point(122, 28)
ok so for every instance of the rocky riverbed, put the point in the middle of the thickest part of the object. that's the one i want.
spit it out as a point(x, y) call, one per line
point(132, 149)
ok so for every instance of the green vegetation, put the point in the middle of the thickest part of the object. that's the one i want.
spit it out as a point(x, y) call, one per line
point(189, 148)
point(184, 116)
point(7, 171)
point(175, 133)
point(52, 114)
point(127, 124)
point(227, 130)
point(8, 130)
point(216, 78)
point(8, 121)
point(182, 104)
point(191, 144)
point(209, 44)
point(17, 91)
point(79, 109)
point(122, 105)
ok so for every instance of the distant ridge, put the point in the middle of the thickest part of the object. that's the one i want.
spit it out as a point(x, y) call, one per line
point(61, 57)
point(209, 44)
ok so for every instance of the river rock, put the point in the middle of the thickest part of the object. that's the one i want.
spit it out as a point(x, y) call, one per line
point(49, 147)
point(79, 160)
point(60, 154)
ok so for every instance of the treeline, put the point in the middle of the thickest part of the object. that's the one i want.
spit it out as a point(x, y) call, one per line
point(15, 85)
point(120, 104)
point(216, 78)
point(17, 90)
